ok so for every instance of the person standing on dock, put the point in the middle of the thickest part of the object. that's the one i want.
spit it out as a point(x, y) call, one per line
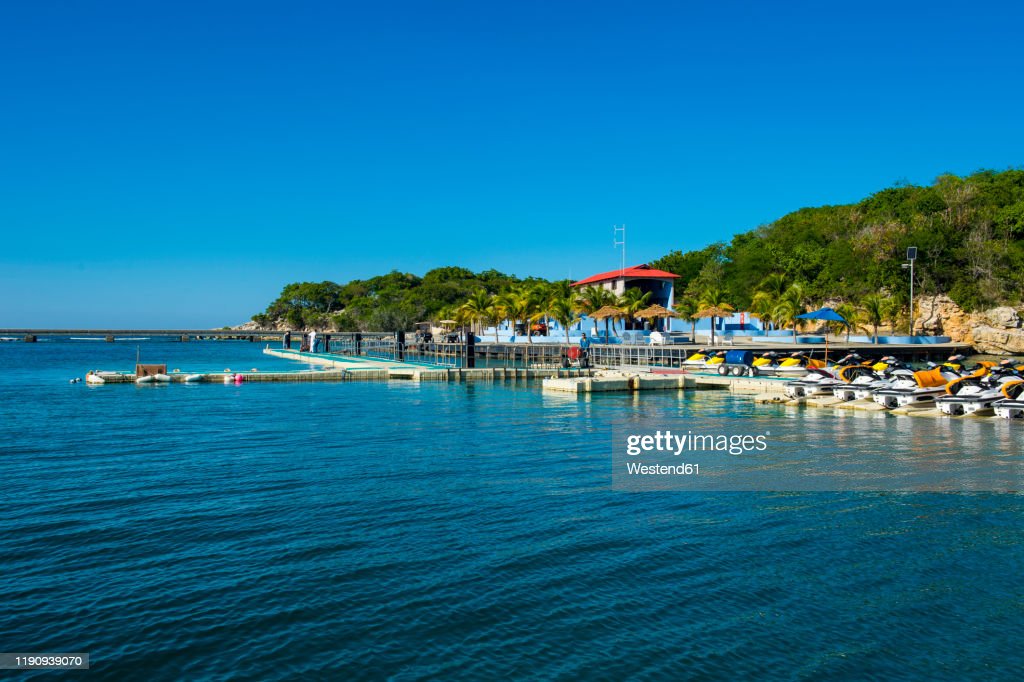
point(287, 342)
point(312, 341)
point(584, 351)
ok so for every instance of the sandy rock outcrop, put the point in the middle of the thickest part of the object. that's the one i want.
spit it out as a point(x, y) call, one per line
point(940, 315)
point(998, 341)
point(1003, 317)
point(996, 331)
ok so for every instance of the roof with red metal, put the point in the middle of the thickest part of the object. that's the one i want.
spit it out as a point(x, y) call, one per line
point(634, 271)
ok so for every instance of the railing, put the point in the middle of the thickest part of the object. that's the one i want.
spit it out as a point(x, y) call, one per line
point(407, 348)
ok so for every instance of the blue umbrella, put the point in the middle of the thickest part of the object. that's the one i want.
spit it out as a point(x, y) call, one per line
point(824, 314)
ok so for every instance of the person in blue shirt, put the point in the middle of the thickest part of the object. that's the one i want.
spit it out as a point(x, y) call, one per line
point(584, 350)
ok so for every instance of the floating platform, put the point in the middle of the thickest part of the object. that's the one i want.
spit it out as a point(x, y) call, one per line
point(604, 382)
point(381, 370)
point(222, 377)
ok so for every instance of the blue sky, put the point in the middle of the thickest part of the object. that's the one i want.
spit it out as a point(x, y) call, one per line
point(175, 164)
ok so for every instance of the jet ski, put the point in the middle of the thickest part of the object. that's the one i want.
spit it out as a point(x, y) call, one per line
point(767, 362)
point(1012, 404)
point(715, 361)
point(797, 365)
point(862, 380)
point(698, 359)
point(917, 389)
point(821, 381)
point(977, 392)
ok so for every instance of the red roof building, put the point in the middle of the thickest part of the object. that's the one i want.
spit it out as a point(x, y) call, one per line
point(634, 272)
point(659, 283)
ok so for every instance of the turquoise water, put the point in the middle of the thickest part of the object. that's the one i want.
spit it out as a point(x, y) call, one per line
point(367, 531)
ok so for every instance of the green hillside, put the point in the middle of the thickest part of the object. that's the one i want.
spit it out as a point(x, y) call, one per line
point(969, 232)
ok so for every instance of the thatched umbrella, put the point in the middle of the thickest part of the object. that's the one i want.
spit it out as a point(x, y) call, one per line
point(654, 312)
point(713, 312)
point(605, 313)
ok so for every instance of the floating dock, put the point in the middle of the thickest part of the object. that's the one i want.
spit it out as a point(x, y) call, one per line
point(334, 367)
point(376, 370)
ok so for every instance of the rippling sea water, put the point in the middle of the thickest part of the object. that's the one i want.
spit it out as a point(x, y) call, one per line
point(369, 530)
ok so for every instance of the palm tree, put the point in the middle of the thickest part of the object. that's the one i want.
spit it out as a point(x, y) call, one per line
point(590, 299)
point(559, 290)
point(563, 310)
point(790, 306)
point(848, 312)
point(873, 310)
point(476, 307)
point(686, 309)
point(521, 305)
point(633, 301)
point(712, 302)
point(767, 294)
point(494, 315)
point(593, 298)
point(893, 311)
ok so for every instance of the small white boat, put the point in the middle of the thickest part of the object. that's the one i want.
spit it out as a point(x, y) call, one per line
point(193, 378)
point(162, 378)
point(94, 379)
point(151, 379)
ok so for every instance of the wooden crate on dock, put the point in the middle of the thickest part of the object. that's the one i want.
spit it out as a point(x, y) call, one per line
point(149, 370)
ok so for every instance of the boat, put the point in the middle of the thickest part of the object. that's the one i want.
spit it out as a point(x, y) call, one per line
point(94, 379)
point(1012, 404)
point(915, 389)
point(193, 378)
point(149, 379)
point(162, 378)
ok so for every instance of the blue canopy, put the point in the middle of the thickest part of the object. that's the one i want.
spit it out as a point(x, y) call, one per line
point(823, 314)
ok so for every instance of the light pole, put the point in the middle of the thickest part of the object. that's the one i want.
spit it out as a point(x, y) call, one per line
point(911, 257)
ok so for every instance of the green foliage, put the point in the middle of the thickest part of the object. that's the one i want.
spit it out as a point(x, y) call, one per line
point(388, 302)
point(969, 232)
point(563, 311)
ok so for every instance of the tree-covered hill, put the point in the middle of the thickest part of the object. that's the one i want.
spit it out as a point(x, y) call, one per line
point(396, 300)
point(969, 232)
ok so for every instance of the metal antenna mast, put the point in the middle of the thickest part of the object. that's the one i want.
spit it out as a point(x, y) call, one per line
point(615, 232)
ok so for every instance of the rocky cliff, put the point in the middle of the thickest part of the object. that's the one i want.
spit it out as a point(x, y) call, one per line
point(997, 331)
